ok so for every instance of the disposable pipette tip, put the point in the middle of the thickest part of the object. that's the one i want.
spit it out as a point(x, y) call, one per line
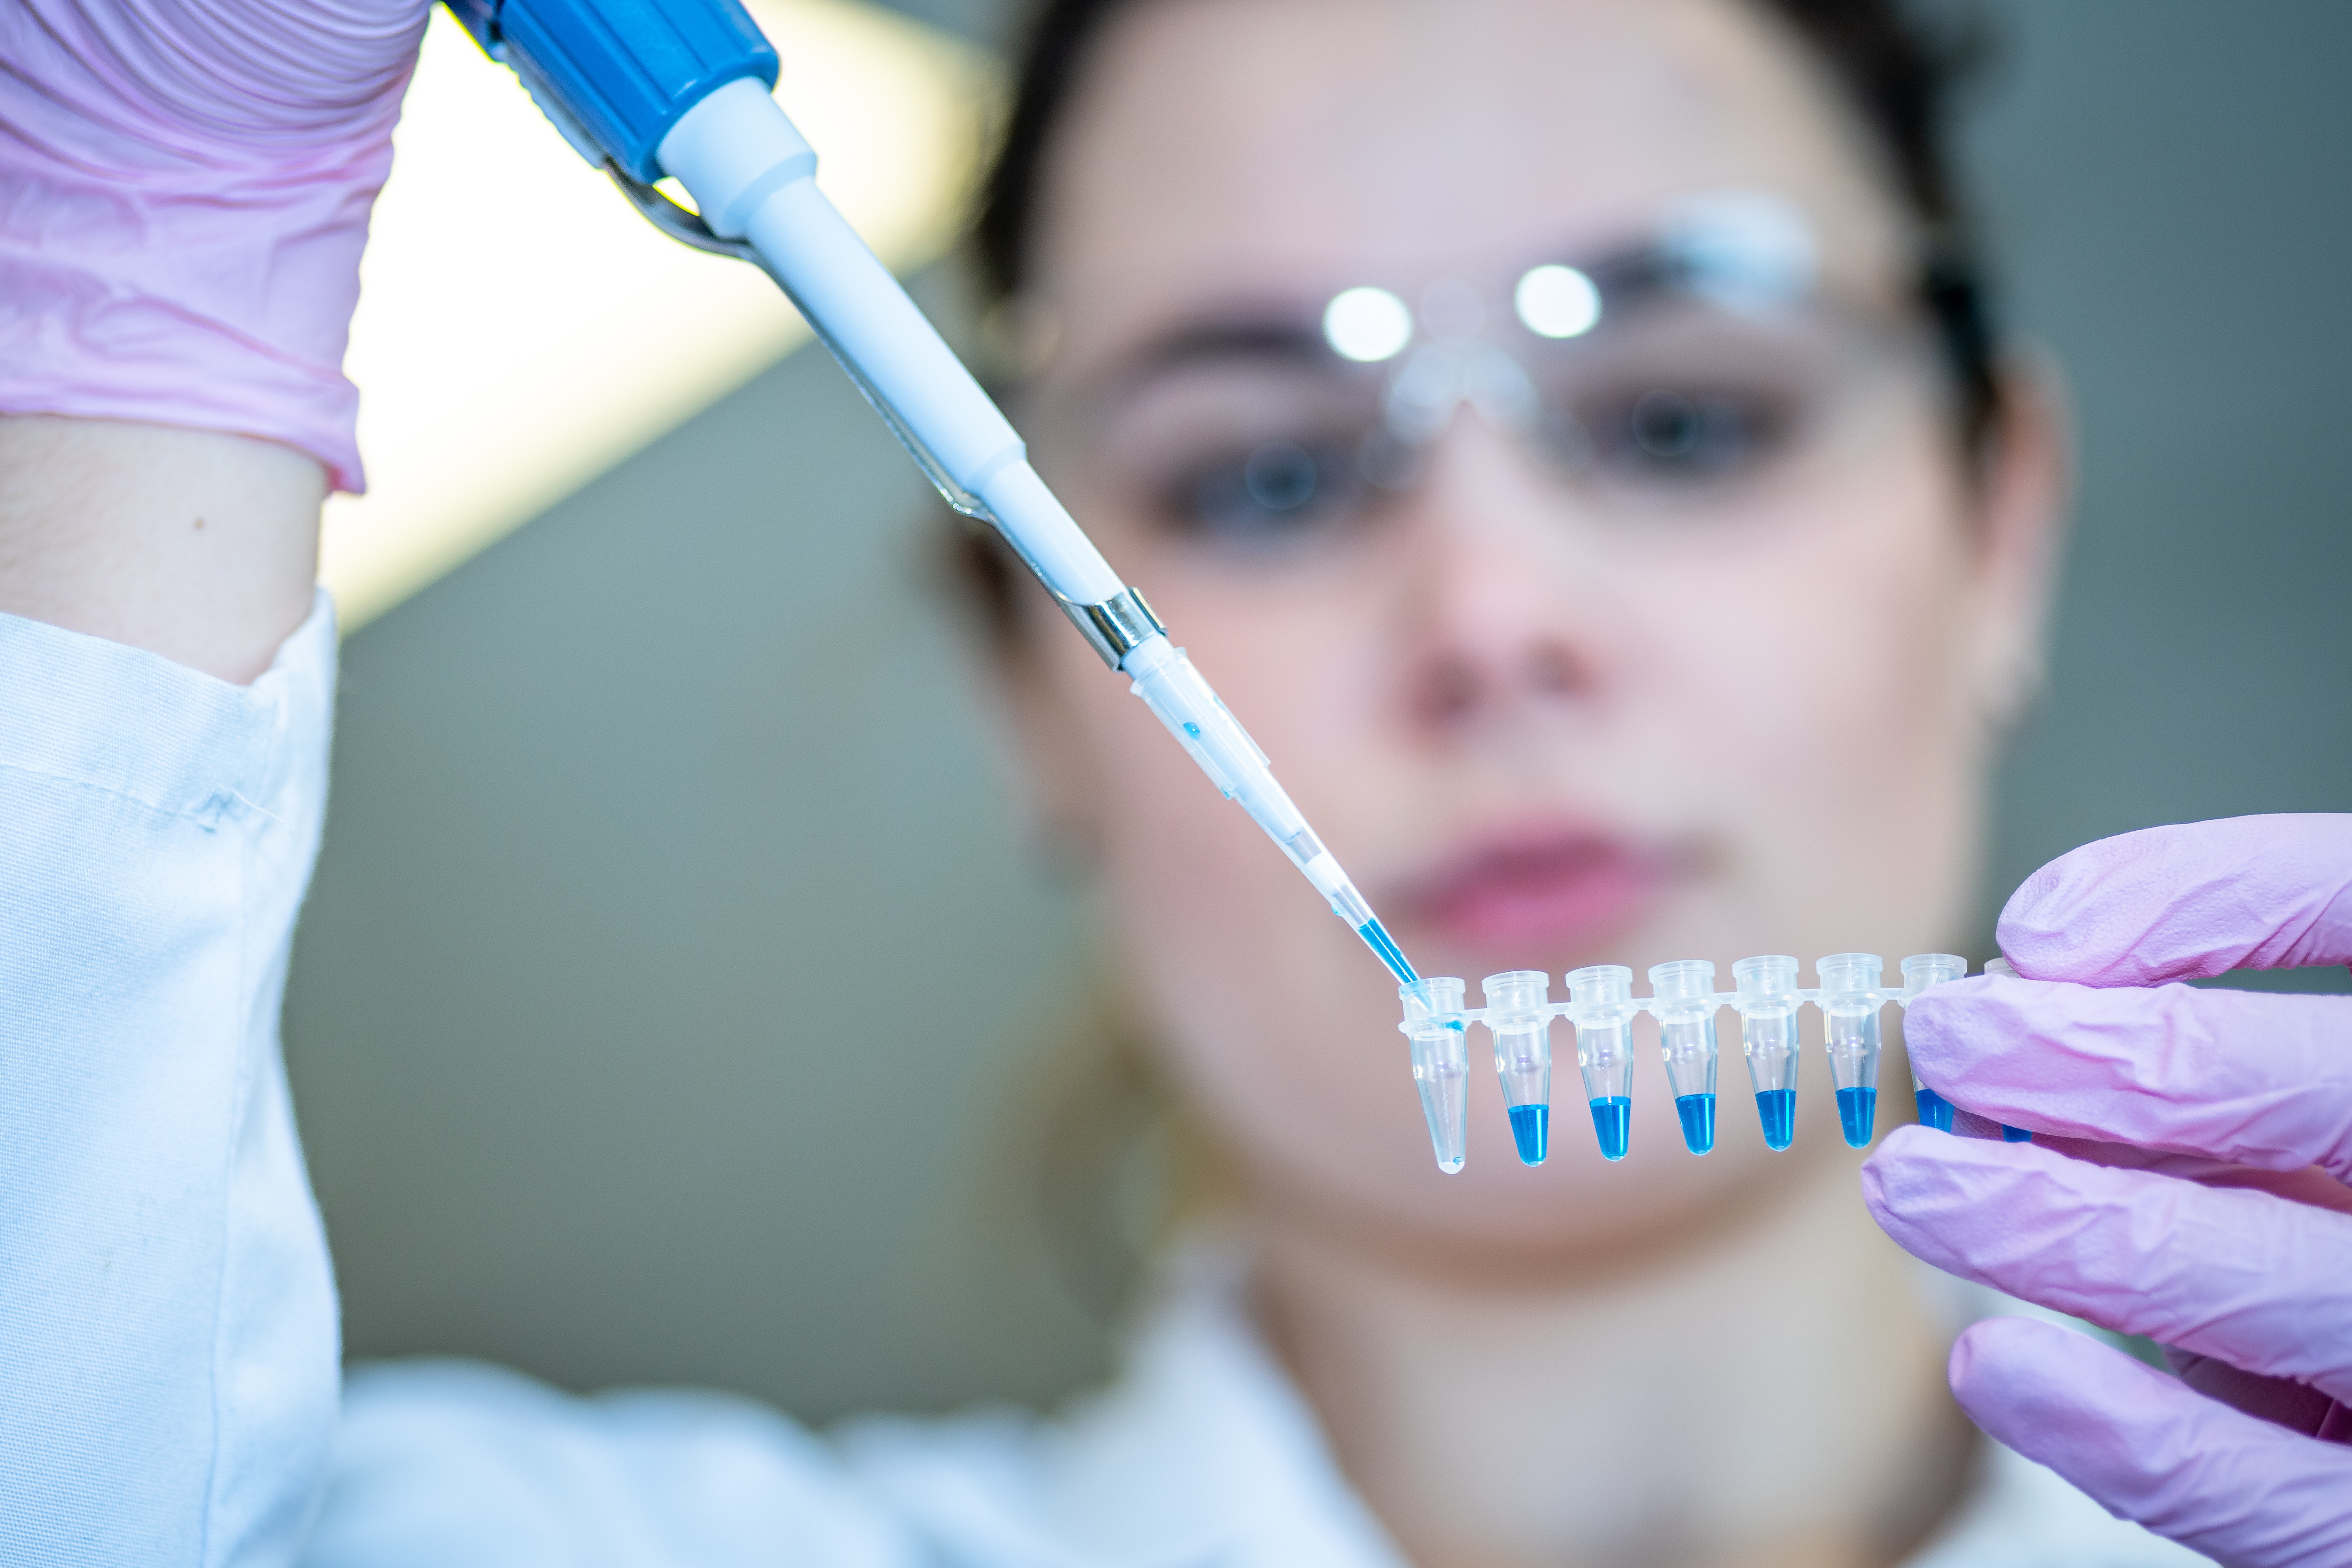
point(1777, 1109)
point(1377, 938)
point(1858, 1115)
point(1531, 1130)
point(2015, 1134)
point(1612, 1117)
point(1697, 1111)
point(1935, 1111)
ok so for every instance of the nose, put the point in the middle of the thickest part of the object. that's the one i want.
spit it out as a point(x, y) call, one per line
point(1507, 613)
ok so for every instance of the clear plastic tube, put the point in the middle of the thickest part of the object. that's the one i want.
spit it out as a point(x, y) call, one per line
point(1601, 1002)
point(1441, 1066)
point(1686, 1009)
point(1849, 1004)
point(1519, 1016)
point(1920, 970)
point(1768, 1038)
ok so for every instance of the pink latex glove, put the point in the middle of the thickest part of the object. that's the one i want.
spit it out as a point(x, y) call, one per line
point(184, 189)
point(2187, 1182)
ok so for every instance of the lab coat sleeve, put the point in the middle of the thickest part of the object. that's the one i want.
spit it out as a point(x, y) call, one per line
point(168, 1339)
point(459, 1465)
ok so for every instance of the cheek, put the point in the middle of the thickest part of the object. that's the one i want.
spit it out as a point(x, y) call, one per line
point(1830, 670)
point(1273, 1016)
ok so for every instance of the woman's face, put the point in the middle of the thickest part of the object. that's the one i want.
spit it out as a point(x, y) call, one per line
point(1543, 726)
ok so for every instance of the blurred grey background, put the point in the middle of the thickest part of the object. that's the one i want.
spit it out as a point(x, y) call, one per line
point(675, 969)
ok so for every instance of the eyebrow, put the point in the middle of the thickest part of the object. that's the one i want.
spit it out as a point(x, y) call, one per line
point(1295, 339)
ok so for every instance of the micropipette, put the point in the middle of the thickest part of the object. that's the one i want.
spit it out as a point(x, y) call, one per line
point(681, 90)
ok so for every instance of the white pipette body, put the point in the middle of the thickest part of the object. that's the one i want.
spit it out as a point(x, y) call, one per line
point(752, 176)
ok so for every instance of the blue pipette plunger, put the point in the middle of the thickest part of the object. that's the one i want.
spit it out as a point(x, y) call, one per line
point(648, 90)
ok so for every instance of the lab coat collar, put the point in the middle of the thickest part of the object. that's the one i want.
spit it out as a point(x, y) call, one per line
point(1200, 1453)
point(1203, 1453)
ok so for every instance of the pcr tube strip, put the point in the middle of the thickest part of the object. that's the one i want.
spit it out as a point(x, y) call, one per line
point(1601, 1007)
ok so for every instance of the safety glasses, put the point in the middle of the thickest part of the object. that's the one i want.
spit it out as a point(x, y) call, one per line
point(1699, 374)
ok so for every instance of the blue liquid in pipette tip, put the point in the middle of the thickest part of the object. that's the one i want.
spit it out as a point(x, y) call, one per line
point(1858, 1113)
point(1935, 1111)
point(1531, 1130)
point(1697, 1111)
point(2015, 1134)
point(1377, 938)
point(1613, 1119)
point(1777, 1109)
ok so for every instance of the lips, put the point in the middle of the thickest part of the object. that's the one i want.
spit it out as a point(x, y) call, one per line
point(1534, 898)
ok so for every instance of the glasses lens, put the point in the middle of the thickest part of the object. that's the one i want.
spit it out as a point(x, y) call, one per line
point(1696, 408)
point(1681, 408)
point(1245, 456)
point(1278, 489)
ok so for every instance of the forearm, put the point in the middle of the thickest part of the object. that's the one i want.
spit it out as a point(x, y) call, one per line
point(199, 546)
point(188, 186)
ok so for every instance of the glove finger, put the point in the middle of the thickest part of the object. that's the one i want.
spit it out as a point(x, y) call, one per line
point(2199, 898)
point(2308, 1185)
point(2153, 1451)
point(2254, 1280)
point(2249, 1077)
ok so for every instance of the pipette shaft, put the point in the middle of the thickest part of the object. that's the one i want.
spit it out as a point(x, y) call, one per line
point(752, 176)
point(682, 90)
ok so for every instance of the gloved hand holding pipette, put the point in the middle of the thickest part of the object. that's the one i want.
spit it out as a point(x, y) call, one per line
point(2207, 1205)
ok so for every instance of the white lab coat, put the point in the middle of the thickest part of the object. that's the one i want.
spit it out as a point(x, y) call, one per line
point(168, 1349)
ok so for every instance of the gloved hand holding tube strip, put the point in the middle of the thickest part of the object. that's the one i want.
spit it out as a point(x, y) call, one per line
point(2191, 1180)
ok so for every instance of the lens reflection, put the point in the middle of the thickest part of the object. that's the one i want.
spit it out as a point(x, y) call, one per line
point(1556, 302)
point(1367, 325)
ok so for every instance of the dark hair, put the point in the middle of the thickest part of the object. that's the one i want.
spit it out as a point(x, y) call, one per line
point(1900, 76)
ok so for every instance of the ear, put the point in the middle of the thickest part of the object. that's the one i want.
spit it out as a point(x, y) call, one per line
point(2025, 495)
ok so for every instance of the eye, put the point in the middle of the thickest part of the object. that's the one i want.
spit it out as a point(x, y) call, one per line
point(1270, 493)
point(1688, 434)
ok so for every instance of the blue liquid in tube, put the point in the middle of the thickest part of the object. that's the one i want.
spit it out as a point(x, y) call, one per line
point(1612, 1118)
point(1935, 1111)
point(1777, 1109)
point(2015, 1134)
point(1697, 1111)
point(1858, 1113)
point(1531, 1130)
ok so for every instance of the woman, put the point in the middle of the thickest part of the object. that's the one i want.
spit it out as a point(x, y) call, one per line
point(1729, 691)
point(1643, 571)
